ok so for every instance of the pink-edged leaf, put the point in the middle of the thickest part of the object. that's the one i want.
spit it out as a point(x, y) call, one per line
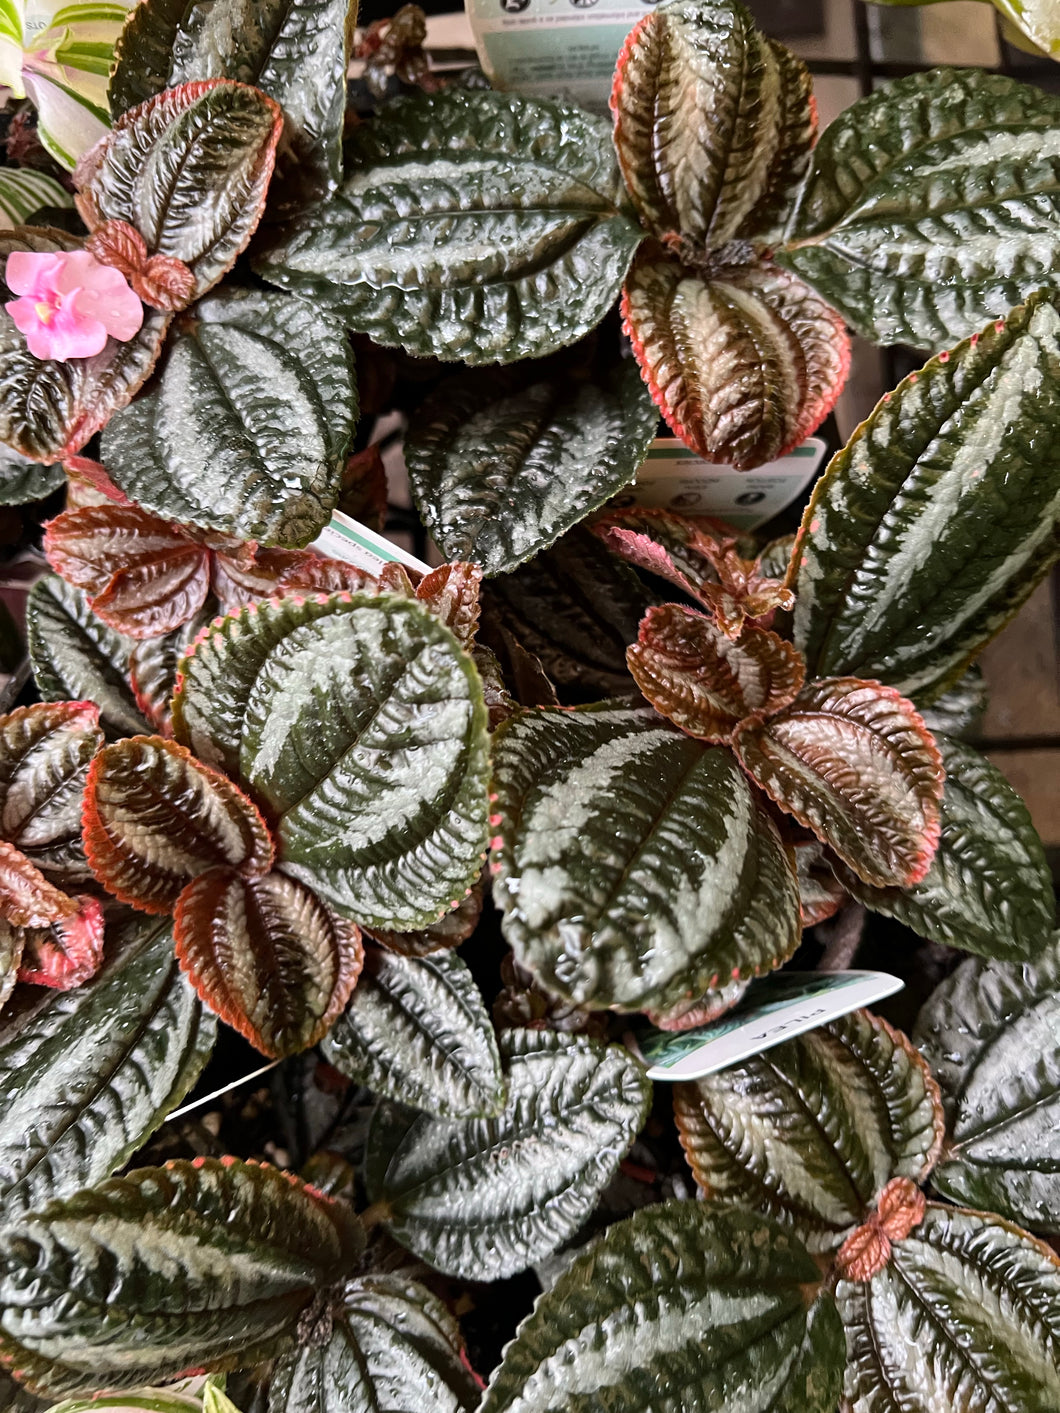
point(821, 895)
point(67, 953)
point(90, 484)
point(854, 762)
point(743, 363)
point(27, 899)
point(266, 573)
point(154, 664)
point(45, 752)
point(451, 592)
point(703, 681)
point(267, 956)
point(189, 170)
point(155, 818)
point(450, 930)
point(699, 1010)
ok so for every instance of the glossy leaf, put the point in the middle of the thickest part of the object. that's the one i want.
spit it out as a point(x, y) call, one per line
point(155, 818)
point(450, 930)
point(933, 525)
point(417, 1030)
point(820, 893)
point(27, 899)
point(88, 1074)
point(189, 170)
point(703, 681)
point(22, 480)
point(810, 1132)
point(989, 889)
point(931, 206)
point(315, 705)
point(484, 1198)
point(634, 866)
point(246, 429)
point(959, 710)
point(393, 1345)
point(75, 656)
point(12, 941)
point(153, 665)
point(991, 1032)
point(713, 122)
point(513, 237)
point(964, 1318)
point(853, 761)
point(164, 1235)
point(239, 579)
point(503, 462)
point(453, 593)
point(686, 1302)
point(744, 362)
point(67, 952)
point(267, 956)
point(44, 755)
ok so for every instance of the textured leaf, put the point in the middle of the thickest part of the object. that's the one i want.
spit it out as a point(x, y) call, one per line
point(453, 593)
point(989, 889)
point(810, 1132)
point(76, 656)
point(49, 409)
point(683, 1306)
point(820, 892)
point(484, 1198)
point(959, 710)
point(294, 50)
point(450, 930)
point(853, 761)
point(393, 1346)
point(713, 122)
point(633, 865)
point(27, 899)
point(475, 226)
point(22, 480)
point(358, 723)
point(991, 1032)
point(155, 818)
point(964, 1319)
point(932, 206)
point(743, 362)
point(933, 525)
point(68, 951)
point(704, 682)
point(86, 1076)
point(176, 1398)
point(417, 1030)
point(246, 429)
point(12, 941)
point(44, 755)
point(240, 579)
point(153, 665)
point(119, 1283)
point(189, 170)
point(503, 462)
point(267, 956)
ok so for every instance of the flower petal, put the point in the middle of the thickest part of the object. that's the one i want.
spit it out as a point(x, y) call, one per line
point(110, 302)
point(32, 273)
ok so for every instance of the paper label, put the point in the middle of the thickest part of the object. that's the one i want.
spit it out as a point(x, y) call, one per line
point(677, 479)
point(554, 48)
point(347, 539)
point(773, 1009)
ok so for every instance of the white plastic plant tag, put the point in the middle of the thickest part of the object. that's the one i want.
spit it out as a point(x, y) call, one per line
point(773, 1009)
point(677, 479)
point(347, 539)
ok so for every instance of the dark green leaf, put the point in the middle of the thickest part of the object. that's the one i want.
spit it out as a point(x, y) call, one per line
point(685, 1306)
point(144, 52)
point(22, 480)
point(934, 524)
point(475, 226)
point(503, 462)
point(484, 1198)
point(959, 710)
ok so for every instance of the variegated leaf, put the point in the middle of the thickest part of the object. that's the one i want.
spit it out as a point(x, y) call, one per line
point(853, 761)
point(810, 1132)
point(989, 889)
point(932, 206)
point(191, 1395)
point(959, 710)
point(210, 1265)
point(66, 952)
point(24, 191)
point(703, 681)
point(27, 899)
point(933, 525)
point(155, 818)
point(484, 1198)
point(821, 895)
point(449, 931)
point(713, 123)
point(153, 666)
point(702, 1307)
point(743, 361)
point(634, 866)
point(514, 237)
point(12, 941)
point(44, 756)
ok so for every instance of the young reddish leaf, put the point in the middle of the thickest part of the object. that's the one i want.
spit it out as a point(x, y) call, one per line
point(854, 762)
point(705, 683)
point(743, 363)
point(67, 953)
point(821, 895)
point(89, 484)
point(270, 572)
point(364, 487)
point(27, 899)
point(451, 592)
point(155, 818)
point(267, 956)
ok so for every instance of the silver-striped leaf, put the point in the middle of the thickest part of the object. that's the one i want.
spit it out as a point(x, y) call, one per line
point(634, 866)
point(933, 525)
point(417, 1030)
point(482, 227)
point(684, 1307)
point(484, 1198)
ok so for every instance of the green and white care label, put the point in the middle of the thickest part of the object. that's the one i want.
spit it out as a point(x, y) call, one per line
point(774, 1008)
point(675, 478)
point(554, 48)
point(347, 539)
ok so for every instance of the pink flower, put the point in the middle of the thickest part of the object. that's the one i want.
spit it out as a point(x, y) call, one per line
point(70, 303)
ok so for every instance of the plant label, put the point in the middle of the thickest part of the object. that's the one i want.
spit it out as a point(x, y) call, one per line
point(347, 539)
